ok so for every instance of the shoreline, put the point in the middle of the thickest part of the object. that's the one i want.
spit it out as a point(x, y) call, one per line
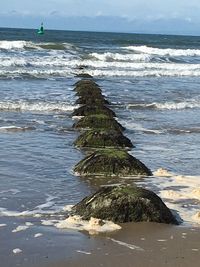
point(136, 244)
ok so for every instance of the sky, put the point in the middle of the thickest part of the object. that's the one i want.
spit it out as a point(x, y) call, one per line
point(140, 16)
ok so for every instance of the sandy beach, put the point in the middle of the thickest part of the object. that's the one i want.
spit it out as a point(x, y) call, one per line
point(138, 245)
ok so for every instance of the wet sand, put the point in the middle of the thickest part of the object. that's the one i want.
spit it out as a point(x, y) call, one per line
point(137, 244)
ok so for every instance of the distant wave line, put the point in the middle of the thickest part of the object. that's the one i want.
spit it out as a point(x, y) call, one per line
point(39, 106)
point(164, 51)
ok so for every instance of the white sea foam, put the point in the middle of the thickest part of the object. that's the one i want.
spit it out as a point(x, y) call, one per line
point(9, 45)
point(119, 65)
point(20, 228)
point(93, 226)
point(184, 198)
point(36, 73)
point(124, 244)
point(2, 224)
point(196, 217)
point(138, 127)
point(84, 252)
point(38, 235)
point(20, 44)
point(12, 191)
point(164, 51)
point(49, 222)
point(190, 103)
point(47, 61)
point(13, 128)
point(68, 207)
point(38, 211)
point(108, 56)
point(170, 105)
point(17, 251)
point(147, 72)
point(38, 106)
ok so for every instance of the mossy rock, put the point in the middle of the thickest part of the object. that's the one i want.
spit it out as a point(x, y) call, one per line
point(98, 121)
point(84, 75)
point(122, 204)
point(89, 93)
point(86, 110)
point(84, 82)
point(102, 138)
point(91, 100)
point(111, 162)
point(86, 90)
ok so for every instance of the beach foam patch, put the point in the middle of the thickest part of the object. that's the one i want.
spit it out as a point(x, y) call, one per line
point(124, 244)
point(196, 217)
point(20, 228)
point(17, 250)
point(93, 226)
point(38, 235)
point(84, 252)
point(181, 193)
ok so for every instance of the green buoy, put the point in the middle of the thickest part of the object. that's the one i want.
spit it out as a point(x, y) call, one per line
point(41, 30)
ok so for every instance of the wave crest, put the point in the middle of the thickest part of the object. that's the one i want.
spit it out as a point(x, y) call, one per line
point(164, 51)
point(39, 106)
point(121, 57)
point(170, 105)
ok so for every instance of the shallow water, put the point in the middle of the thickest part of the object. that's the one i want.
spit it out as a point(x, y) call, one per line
point(153, 84)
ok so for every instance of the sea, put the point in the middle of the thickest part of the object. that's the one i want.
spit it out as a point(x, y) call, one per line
point(153, 83)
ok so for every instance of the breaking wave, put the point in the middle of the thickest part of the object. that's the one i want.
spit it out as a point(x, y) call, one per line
point(66, 60)
point(40, 106)
point(146, 73)
point(9, 45)
point(187, 104)
point(22, 45)
point(164, 52)
point(121, 57)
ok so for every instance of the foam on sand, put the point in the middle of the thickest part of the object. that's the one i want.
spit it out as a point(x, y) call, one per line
point(67, 207)
point(184, 198)
point(196, 217)
point(84, 252)
point(162, 172)
point(17, 251)
point(130, 246)
point(49, 222)
point(20, 228)
point(93, 226)
point(38, 235)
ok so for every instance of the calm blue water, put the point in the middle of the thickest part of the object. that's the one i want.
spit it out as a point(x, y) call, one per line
point(153, 83)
